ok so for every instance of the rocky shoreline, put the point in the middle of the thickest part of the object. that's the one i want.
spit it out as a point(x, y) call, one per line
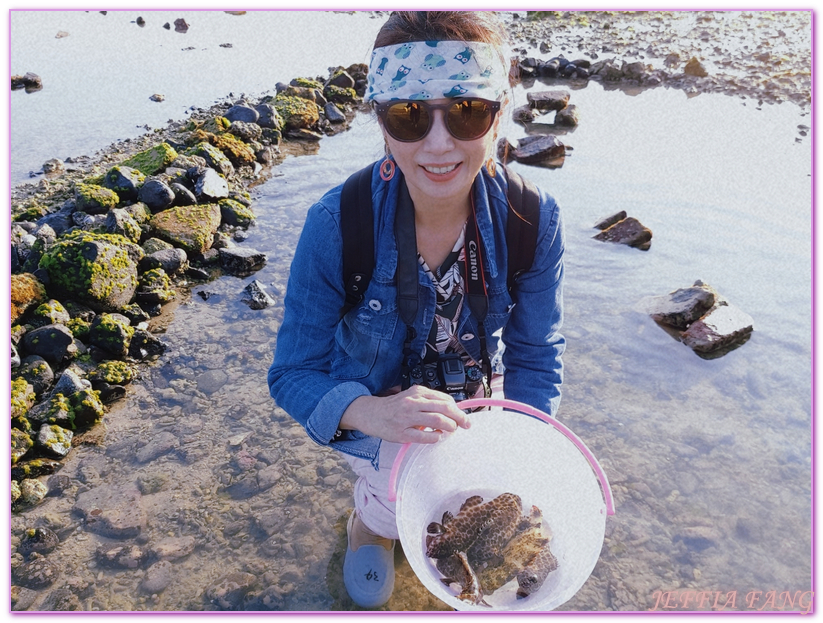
point(170, 209)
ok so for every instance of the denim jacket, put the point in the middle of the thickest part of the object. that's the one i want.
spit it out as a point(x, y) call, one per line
point(322, 362)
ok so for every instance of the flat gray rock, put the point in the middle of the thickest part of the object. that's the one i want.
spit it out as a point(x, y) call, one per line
point(114, 512)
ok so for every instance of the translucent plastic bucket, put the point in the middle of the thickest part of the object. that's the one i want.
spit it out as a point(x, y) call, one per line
point(538, 459)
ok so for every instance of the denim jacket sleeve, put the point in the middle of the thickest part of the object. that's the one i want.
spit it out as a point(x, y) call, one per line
point(299, 378)
point(533, 343)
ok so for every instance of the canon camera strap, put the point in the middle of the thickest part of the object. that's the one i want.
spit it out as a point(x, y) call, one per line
point(407, 277)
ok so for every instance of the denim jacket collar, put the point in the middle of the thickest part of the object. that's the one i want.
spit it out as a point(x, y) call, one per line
point(385, 202)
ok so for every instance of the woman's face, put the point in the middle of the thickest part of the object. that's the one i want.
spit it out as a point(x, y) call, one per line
point(440, 168)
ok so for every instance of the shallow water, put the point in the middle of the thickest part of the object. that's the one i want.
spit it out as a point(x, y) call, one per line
point(709, 460)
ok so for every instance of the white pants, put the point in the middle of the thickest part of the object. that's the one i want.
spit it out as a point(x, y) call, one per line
point(371, 491)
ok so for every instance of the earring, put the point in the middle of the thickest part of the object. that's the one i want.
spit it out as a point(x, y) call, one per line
point(387, 169)
point(491, 167)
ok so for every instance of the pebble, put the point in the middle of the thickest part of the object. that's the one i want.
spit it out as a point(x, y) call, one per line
point(158, 577)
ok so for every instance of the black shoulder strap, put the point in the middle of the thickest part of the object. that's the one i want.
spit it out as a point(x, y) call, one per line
point(522, 226)
point(357, 227)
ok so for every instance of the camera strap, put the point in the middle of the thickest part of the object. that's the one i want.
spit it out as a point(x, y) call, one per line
point(407, 278)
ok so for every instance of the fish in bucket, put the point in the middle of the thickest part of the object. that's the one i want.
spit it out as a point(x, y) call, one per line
point(507, 515)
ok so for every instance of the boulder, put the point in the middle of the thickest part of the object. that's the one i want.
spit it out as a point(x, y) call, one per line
point(241, 261)
point(234, 149)
point(256, 297)
point(94, 199)
point(28, 81)
point(145, 346)
point(682, 307)
point(182, 195)
point(113, 511)
point(155, 288)
point(546, 148)
point(112, 333)
point(268, 117)
point(54, 343)
point(26, 291)
point(125, 181)
point(341, 79)
point(39, 572)
point(170, 260)
point(153, 245)
point(36, 372)
point(21, 443)
point(296, 112)
point(156, 195)
point(50, 312)
point(333, 113)
point(610, 220)
point(235, 213)
point(548, 100)
point(242, 113)
point(121, 222)
point(54, 441)
point(630, 232)
point(210, 185)
point(246, 130)
point(153, 160)
point(568, 117)
point(723, 327)
point(214, 158)
point(190, 227)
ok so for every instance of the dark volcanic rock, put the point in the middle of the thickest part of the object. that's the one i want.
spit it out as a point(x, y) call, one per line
point(242, 113)
point(722, 327)
point(538, 149)
point(113, 512)
point(241, 261)
point(182, 195)
point(28, 81)
point(54, 343)
point(268, 117)
point(681, 307)
point(156, 195)
point(37, 372)
point(333, 113)
point(145, 346)
point(125, 181)
point(629, 231)
point(210, 185)
point(256, 297)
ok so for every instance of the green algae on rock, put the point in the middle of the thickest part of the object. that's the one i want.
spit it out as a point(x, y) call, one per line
point(152, 160)
point(94, 269)
point(213, 156)
point(113, 372)
point(235, 213)
point(155, 287)
point(190, 227)
point(112, 333)
point(26, 292)
point(94, 199)
point(296, 112)
point(125, 181)
point(22, 397)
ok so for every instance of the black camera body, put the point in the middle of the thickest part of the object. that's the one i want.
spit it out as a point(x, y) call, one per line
point(449, 375)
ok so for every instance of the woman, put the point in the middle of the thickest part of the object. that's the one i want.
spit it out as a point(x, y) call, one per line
point(437, 81)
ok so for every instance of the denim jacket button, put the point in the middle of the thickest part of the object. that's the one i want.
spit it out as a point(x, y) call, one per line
point(467, 336)
point(375, 305)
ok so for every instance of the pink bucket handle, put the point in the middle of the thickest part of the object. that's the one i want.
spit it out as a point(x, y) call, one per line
point(529, 410)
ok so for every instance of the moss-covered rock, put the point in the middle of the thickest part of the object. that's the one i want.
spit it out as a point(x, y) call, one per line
point(26, 292)
point(52, 342)
point(190, 227)
point(97, 270)
point(112, 333)
point(234, 149)
point(296, 112)
point(51, 312)
point(22, 397)
point(155, 287)
point(216, 125)
point(79, 328)
point(340, 95)
point(94, 199)
point(54, 441)
point(307, 83)
point(125, 181)
point(119, 221)
point(152, 160)
point(155, 244)
point(87, 406)
point(235, 213)
point(34, 468)
point(212, 155)
point(30, 213)
point(112, 372)
point(20, 444)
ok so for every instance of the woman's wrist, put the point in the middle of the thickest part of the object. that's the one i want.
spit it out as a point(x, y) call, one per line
point(352, 417)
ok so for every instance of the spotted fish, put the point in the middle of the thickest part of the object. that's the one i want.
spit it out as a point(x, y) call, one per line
point(532, 577)
point(480, 529)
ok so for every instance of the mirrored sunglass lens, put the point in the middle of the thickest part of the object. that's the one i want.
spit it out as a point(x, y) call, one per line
point(407, 122)
point(469, 119)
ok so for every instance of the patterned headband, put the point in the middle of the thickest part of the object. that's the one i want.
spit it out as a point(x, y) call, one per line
point(436, 70)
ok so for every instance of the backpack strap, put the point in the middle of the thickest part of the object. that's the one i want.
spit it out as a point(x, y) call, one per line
point(521, 227)
point(357, 228)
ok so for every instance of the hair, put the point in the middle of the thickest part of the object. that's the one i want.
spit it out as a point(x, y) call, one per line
point(479, 26)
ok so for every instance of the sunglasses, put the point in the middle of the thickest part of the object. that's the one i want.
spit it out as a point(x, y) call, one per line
point(466, 119)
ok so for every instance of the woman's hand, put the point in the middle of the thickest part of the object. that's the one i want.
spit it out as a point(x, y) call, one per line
point(416, 415)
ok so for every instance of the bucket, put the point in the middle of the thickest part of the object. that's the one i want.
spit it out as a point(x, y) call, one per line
point(540, 460)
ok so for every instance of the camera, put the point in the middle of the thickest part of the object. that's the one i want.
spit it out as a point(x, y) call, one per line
point(449, 375)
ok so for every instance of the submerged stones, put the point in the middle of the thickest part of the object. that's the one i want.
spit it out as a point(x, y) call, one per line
point(701, 318)
point(623, 229)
